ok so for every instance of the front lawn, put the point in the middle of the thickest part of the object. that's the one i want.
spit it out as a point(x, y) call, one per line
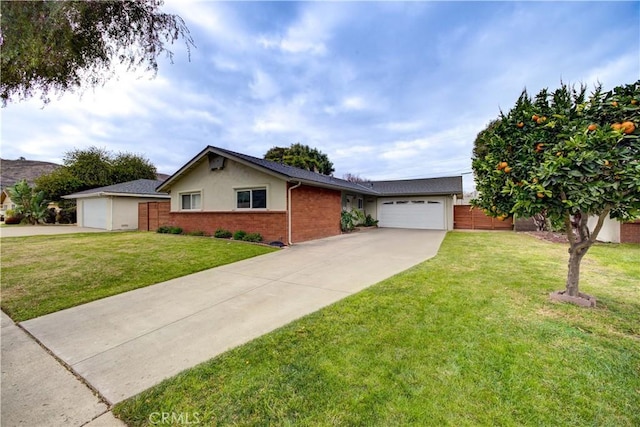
point(43, 274)
point(467, 338)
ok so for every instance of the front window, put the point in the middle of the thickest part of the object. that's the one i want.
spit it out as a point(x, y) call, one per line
point(190, 201)
point(251, 199)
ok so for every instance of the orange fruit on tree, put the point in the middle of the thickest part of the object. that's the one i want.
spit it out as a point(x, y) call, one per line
point(634, 101)
point(541, 120)
point(592, 127)
point(520, 124)
point(616, 126)
point(535, 117)
point(540, 195)
point(627, 127)
point(508, 169)
point(502, 165)
point(539, 147)
point(614, 103)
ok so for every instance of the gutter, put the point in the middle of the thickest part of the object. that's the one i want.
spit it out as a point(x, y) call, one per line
point(289, 211)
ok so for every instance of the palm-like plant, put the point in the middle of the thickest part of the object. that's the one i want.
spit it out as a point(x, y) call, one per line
point(30, 205)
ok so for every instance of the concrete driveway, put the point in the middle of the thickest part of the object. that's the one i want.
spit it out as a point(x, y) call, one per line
point(124, 344)
point(44, 230)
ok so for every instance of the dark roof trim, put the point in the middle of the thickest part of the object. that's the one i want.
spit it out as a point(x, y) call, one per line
point(145, 188)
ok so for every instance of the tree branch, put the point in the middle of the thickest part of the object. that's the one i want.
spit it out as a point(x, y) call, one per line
point(603, 215)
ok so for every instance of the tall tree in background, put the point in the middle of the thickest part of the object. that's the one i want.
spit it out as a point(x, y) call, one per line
point(91, 168)
point(56, 46)
point(301, 156)
point(568, 155)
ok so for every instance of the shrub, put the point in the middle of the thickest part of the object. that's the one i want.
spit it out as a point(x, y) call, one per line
point(15, 219)
point(169, 229)
point(370, 222)
point(196, 233)
point(67, 215)
point(252, 237)
point(239, 235)
point(163, 229)
point(358, 216)
point(346, 221)
point(221, 233)
point(50, 216)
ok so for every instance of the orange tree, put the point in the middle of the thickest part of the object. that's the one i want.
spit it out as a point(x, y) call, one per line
point(568, 155)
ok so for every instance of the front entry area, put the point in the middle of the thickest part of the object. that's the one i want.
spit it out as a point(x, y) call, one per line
point(427, 213)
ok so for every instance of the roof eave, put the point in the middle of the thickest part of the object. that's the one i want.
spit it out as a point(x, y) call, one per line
point(333, 187)
point(423, 193)
point(107, 193)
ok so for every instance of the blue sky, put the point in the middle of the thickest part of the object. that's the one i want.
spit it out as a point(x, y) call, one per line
point(387, 90)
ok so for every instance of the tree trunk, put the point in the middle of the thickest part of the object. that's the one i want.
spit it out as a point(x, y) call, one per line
point(579, 244)
point(573, 277)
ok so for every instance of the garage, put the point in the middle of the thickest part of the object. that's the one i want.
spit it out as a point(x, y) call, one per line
point(115, 207)
point(94, 213)
point(412, 212)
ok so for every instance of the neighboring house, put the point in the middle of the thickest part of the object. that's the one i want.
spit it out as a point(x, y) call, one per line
point(115, 207)
point(219, 188)
point(5, 204)
point(614, 231)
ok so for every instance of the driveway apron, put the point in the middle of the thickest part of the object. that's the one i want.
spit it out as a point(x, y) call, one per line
point(124, 344)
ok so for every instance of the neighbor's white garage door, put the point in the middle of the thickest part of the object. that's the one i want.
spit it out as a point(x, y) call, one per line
point(412, 212)
point(94, 213)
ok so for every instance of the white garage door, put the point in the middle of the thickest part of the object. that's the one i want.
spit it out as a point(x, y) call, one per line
point(94, 213)
point(412, 212)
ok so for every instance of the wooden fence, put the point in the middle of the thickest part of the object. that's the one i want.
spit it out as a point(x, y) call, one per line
point(466, 217)
point(152, 215)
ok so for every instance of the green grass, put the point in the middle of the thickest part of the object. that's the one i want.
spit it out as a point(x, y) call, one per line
point(467, 338)
point(43, 274)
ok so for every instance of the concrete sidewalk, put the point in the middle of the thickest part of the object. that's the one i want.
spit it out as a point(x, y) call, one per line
point(45, 230)
point(124, 344)
point(38, 391)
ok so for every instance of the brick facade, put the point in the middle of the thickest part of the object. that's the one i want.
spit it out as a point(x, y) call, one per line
point(271, 225)
point(315, 213)
point(630, 232)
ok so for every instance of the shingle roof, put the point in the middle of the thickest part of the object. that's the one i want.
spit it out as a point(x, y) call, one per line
point(139, 187)
point(444, 185)
point(436, 186)
point(297, 173)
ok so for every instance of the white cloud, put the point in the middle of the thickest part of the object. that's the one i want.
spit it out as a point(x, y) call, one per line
point(310, 33)
point(353, 103)
point(403, 126)
point(225, 64)
point(281, 118)
point(262, 86)
point(216, 19)
point(350, 152)
point(616, 71)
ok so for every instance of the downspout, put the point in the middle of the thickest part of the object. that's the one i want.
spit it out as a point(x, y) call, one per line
point(289, 211)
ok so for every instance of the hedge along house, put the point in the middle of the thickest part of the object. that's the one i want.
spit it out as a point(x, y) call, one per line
point(115, 207)
point(219, 188)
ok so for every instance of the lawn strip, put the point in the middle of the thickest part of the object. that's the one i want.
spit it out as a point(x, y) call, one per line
point(44, 274)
